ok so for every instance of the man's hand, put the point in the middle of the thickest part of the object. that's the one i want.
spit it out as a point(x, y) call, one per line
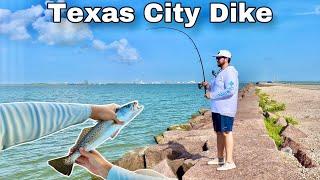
point(207, 95)
point(205, 84)
point(106, 113)
point(94, 162)
point(113, 106)
point(117, 121)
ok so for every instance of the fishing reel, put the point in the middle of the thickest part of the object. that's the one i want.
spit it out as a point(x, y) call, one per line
point(200, 85)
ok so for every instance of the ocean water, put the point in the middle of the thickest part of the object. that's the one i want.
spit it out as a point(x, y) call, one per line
point(164, 105)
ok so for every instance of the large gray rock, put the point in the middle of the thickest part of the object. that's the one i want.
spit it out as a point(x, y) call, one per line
point(181, 127)
point(197, 120)
point(282, 122)
point(191, 148)
point(293, 133)
point(159, 139)
point(156, 153)
point(164, 168)
point(293, 138)
point(203, 110)
point(202, 135)
point(133, 160)
point(203, 126)
point(207, 115)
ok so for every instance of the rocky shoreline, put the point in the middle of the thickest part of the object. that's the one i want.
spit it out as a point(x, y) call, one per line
point(183, 150)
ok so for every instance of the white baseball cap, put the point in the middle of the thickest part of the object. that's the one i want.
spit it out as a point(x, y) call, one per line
point(224, 53)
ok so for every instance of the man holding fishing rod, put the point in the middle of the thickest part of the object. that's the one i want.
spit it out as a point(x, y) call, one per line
point(223, 94)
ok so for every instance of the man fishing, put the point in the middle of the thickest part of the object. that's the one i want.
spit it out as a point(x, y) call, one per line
point(223, 93)
point(27, 121)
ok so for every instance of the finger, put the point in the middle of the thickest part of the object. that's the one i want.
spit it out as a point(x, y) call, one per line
point(117, 121)
point(117, 106)
point(79, 163)
point(85, 153)
point(81, 160)
point(95, 152)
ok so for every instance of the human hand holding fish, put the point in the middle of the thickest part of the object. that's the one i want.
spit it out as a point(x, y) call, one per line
point(106, 113)
point(93, 161)
point(91, 137)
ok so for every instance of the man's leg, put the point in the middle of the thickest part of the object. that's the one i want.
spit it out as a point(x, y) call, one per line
point(219, 160)
point(220, 144)
point(228, 143)
point(229, 146)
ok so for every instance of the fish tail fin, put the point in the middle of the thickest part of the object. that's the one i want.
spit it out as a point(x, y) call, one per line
point(61, 165)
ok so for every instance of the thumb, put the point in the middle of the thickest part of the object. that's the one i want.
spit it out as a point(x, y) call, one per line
point(95, 152)
point(85, 153)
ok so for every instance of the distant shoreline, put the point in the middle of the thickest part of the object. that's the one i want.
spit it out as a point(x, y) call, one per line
point(159, 83)
point(94, 84)
point(288, 83)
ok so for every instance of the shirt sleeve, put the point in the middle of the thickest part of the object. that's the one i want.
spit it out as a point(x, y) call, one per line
point(229, 88)
point(28, 121)
point(118, 173)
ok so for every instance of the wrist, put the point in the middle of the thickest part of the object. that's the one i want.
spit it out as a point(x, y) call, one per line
point(104, 171)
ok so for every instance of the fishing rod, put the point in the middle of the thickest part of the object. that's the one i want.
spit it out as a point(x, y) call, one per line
point(196, 48)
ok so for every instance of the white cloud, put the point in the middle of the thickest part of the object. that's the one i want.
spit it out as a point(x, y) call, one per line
point(15, 24)
point(100, 45)
point(61, 33)
point(125, 52)
point(4, 13)
point(316, 11)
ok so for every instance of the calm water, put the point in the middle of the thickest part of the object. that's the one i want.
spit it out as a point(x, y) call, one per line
point(164, 105)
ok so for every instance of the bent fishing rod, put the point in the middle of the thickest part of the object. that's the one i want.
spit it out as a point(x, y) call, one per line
point(195, 47)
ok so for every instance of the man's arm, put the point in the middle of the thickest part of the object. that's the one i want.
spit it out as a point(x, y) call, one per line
point(94, 162)
point(27, 121)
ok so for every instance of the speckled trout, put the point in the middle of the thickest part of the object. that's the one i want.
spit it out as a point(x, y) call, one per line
point(91, 137)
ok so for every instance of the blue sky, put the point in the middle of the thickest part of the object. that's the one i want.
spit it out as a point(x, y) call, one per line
point(32, 49)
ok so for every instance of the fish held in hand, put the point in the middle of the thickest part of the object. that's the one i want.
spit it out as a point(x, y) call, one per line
point(91, 137)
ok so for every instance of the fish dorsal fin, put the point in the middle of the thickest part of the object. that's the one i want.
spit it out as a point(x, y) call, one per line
point(83, 133)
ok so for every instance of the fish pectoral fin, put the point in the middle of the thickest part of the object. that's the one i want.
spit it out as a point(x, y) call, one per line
point(83, 133)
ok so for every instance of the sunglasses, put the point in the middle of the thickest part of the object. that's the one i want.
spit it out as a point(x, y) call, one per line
point(220, 57)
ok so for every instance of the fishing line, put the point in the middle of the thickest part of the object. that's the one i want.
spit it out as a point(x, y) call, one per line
point(195, 47)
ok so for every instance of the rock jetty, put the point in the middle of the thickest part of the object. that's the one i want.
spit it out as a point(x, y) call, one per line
point(183, 151)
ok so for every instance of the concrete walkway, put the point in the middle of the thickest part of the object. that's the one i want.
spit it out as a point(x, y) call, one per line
point(255, 153)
